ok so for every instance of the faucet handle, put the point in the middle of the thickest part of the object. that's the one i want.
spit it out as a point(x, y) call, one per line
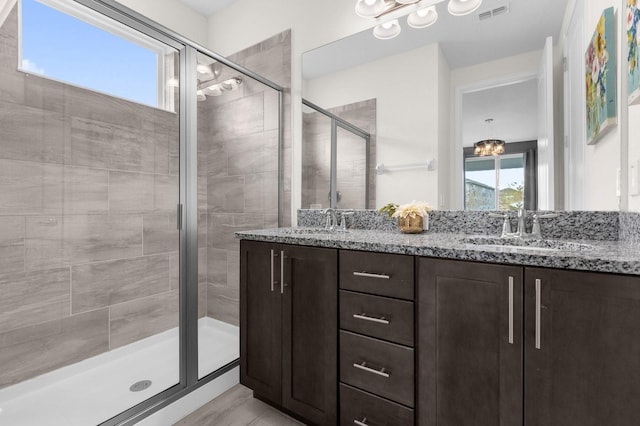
point(544, 216)
point(506, 224)
point(343, 222)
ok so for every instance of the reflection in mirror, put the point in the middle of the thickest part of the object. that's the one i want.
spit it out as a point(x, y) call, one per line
point(337, 156)
point(416, 78)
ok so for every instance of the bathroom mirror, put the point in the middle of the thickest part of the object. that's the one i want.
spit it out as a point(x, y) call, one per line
point(435, 87)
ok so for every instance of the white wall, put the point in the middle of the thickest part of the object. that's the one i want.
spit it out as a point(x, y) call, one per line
point(408, 120)
point(173, 15)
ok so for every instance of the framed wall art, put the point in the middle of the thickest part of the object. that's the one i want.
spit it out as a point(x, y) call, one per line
point(600, 78)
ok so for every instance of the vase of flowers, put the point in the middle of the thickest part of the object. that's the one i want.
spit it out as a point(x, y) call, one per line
point(412, 217)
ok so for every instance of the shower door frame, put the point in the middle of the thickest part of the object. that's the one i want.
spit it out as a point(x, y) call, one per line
point(187, 208)
point(333, 173)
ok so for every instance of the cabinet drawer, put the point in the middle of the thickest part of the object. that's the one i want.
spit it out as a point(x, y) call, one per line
point(388, 319)
point(357, 405)
point(377, 273)
point(383, 368)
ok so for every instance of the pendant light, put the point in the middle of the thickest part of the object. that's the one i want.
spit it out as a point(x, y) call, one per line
point(489, 146)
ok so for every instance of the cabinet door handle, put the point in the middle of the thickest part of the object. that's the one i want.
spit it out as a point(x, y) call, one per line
point(362, 422)
point(272, 269)
point(368, 275)
point(511, 310)
point(538, 295)
point(366, 317)
point(363, 366)
point(282, 272)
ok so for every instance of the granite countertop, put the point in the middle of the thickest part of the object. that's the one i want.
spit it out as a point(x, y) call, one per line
point(586, 255)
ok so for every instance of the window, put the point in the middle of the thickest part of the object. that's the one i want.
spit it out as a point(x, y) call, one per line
point(113, 58)
point(503, 182)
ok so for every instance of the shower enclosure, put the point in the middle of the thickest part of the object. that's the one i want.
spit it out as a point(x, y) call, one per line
point(128, 158)
point(338, 156)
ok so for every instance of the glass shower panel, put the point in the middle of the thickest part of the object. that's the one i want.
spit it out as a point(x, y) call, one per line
point(351, 170)
point(316, 159)
point(238, 167)
point(89, 247)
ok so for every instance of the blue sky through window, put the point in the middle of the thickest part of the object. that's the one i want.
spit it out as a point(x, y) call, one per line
point(65, 48)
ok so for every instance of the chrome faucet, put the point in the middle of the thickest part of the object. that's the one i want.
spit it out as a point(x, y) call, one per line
point(332, 219)
point(521, 231)
point(536, 232)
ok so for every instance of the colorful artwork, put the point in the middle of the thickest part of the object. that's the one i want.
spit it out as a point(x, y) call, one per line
point(600, 77)
point(633, 16)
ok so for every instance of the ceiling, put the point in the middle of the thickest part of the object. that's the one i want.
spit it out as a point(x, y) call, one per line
point(464, 40)
point(207, 7)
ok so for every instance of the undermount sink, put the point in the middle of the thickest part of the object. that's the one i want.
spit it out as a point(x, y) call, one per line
point(311, 231)
point(527, 243)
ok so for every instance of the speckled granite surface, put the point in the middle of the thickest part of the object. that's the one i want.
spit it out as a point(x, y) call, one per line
point(600, 256)
point(596, 241)
point(603, 226)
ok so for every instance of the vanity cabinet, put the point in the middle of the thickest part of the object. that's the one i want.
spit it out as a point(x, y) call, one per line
point(469, 343)
point(288, 327)
point(582, 348)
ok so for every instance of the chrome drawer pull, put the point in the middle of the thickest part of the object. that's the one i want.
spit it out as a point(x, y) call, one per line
point(368, 275)
point(363, 366)
point(272, 268)
point(538, 306)
point(511, 310)
point(362, 422)
point(363, 316)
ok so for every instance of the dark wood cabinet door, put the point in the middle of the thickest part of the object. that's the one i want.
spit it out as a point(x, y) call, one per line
point(261, 319)
point(310, 333)
point(469, 343)
point(582, 348)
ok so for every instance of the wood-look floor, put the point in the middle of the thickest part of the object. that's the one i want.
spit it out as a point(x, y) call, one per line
point(237, 407)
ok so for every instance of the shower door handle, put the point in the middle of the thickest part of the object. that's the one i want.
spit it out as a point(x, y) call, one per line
point(179, 217)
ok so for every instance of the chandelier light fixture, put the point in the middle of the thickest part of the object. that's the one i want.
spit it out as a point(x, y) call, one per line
point(489, 146)
point(208, 84)
point(419, 13)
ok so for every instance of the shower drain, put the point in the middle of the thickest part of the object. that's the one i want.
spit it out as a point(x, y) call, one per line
point(140, 386)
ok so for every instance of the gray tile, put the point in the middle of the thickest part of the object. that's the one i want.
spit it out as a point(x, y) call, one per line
point(226, 194)
point(174, 265)
point(31, 134)
point(44, 242)
point(217, 158)
point(202, 228)
point(167, 192)
point(271, 110)
point(90, 105)
point(202, 300)
point(233, 269)
point(30, 351)
point(30, 298)
point(96, 237)
point(223, 226)
point(203, 271)
point(101, 284)
point(253, 154)
point(140, 318)
point(160, 234)
point(85, 191)
point(28, 188)
point(44, 93)
point(11, 86)
point(217, 266)
point(223, 303)
point(12, 235)
point(131, 192)
point(238, 118)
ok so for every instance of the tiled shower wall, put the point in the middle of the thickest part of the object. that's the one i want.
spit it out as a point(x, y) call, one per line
point(88, 241)
point(238, 172)
point(351, 167)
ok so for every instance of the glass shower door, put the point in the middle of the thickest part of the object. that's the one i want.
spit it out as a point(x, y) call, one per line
point(238, 168)
point(89, 247)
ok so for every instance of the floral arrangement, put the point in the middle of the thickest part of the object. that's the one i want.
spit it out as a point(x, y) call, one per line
point(410, 210)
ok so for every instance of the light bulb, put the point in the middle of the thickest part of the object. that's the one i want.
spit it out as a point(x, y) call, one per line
point(369, 8)
point(463, 7)
point(387, 30)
